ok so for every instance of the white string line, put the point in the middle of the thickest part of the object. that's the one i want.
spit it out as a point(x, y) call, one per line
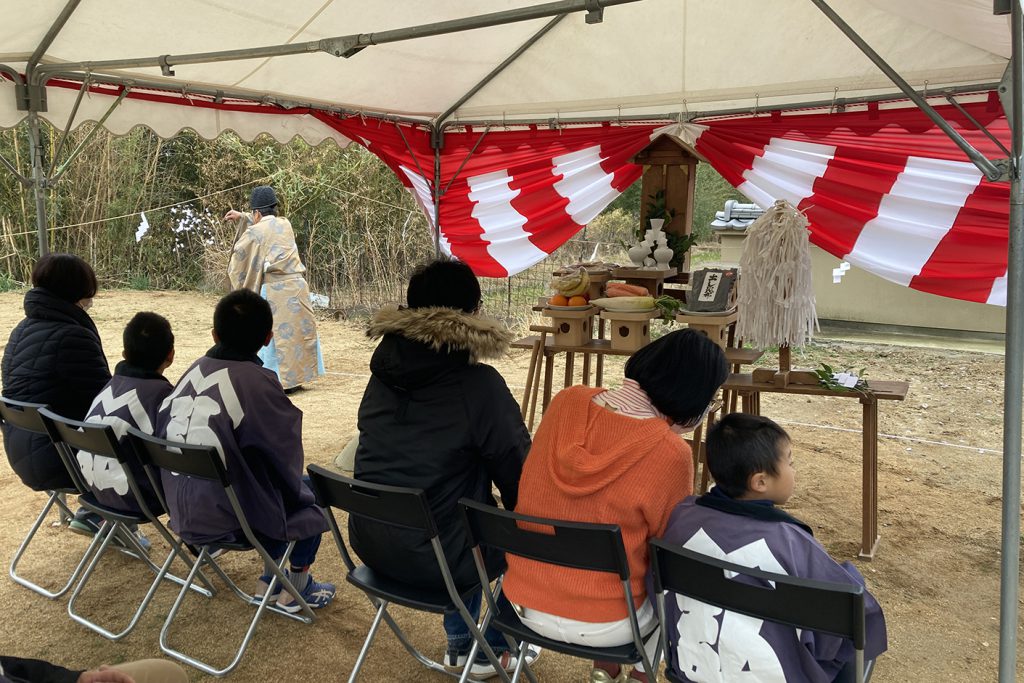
point(912, 439)
point(156, 208)
point(359, 196)
point(213, 194)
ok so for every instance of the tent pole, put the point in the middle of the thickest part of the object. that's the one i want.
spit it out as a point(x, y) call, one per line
point(675, 116)
point(88, 138)
point(498, 69)
point(37, 103)
point(437, 143)
point(348, 45)
point(1009, 574)
point(51, 35)
point(38, 179)
point(991, 170)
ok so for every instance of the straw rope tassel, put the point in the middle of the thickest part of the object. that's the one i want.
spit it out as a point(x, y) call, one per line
point(776, 298)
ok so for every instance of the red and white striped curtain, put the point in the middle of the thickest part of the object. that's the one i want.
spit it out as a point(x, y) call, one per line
point(884, 189)
point(509, 198)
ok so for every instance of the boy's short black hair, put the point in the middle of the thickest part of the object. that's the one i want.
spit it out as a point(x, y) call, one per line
point(680, 372)
point(444, 283)
point(739, 446)
point(148, 340)
point(242, 321)
point(66, 276)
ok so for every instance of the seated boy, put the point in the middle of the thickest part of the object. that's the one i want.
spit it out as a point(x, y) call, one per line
point(751, 460)
point(131, 398)
point(228, 400)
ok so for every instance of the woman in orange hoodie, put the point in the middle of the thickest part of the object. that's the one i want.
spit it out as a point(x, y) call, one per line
point(613, 457)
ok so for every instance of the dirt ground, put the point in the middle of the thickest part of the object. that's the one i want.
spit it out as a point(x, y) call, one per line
point(936, 573)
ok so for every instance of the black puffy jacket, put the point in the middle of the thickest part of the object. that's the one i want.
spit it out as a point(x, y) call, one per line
point(54, 356)
point(435, 419)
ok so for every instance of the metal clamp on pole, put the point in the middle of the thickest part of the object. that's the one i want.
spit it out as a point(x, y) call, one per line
point(165, 66)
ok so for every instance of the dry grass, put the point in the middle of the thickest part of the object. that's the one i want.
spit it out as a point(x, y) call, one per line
point(936, 574)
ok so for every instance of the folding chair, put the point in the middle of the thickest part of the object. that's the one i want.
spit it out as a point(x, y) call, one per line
point(578, 545)
point(25, 416)
point(71, 436)
point(204, 462)
point(833, 608)
point(403, 508)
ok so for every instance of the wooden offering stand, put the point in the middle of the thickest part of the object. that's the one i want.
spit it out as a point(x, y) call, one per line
point(651, 278)
point(630, 330)
point(785, 375)
point(572, 328)
point(716, 326)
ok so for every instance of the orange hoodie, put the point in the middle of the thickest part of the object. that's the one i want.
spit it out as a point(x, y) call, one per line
point(591, 464)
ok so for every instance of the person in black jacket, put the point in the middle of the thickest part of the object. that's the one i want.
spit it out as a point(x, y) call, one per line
point(433, 417)
point(54, 356)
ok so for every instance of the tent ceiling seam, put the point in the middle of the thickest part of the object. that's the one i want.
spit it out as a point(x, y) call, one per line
point(294, 35)
point(530, 42)
point(992, 170)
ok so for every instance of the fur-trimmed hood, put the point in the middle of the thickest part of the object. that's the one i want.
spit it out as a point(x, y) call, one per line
point(439, 328)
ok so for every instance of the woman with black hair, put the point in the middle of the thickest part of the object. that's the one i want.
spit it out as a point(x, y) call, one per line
point(613, 457)
point(54, 356)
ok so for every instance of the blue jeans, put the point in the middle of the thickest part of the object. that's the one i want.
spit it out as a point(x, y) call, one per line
point(460, 640)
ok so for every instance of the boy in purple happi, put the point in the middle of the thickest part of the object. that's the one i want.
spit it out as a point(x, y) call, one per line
point(131, 398)
point(751, 460)
point(227, 399)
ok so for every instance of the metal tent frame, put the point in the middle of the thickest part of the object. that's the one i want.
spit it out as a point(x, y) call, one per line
point(31, 93)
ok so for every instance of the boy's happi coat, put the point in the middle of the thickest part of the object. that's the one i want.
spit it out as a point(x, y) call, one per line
point(131, 398)
point(708, 645)
point(229, 401)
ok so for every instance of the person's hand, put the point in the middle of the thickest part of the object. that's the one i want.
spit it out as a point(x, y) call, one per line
point(233, 215)
point(105, 674)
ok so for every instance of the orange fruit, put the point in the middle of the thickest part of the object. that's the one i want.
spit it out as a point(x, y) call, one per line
point(558, 300)
point(577, 301)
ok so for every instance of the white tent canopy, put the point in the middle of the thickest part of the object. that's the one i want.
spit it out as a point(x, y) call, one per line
point(654, 59)
point(644, 58)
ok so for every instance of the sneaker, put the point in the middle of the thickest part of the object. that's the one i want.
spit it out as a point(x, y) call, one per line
point(140, 538)
point(317, 595)
point(602, 676)
point(85, 523)
point(262, 584)
point(483, 670)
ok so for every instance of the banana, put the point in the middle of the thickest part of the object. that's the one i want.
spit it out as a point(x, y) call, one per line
point(573, 284)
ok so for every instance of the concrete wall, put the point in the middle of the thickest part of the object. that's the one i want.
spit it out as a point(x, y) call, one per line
point(863, 297)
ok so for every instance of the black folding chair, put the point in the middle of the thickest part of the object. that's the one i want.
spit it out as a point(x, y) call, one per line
point(403, 508)
point(72, 436)
point(578, 545)
point(20, 415)
point(822, 606)
point(204, 462)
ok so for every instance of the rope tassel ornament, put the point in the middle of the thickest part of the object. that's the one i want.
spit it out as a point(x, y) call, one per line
point(776, 299)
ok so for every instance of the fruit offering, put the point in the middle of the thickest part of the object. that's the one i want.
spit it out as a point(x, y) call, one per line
point(558, 300)
point(573, 284)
